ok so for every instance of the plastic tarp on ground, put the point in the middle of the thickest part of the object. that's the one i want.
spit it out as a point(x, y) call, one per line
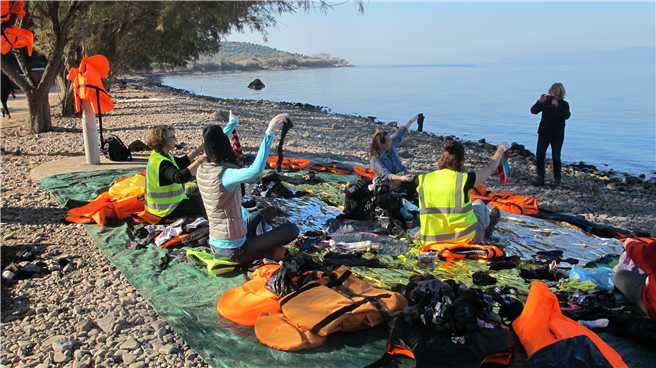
point(186, 296)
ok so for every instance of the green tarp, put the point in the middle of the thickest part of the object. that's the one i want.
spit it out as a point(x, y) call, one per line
point(186, 296)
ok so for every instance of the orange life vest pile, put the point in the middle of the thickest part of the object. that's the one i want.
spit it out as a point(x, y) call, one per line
point(13, 36)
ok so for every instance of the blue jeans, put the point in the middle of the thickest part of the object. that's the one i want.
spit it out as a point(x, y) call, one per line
point(541, 152)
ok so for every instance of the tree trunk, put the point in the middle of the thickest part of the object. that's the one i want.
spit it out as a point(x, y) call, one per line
point(38, 104)
point(68, 100)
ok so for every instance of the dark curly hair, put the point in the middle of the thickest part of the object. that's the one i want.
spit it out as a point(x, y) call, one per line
point(453, 156)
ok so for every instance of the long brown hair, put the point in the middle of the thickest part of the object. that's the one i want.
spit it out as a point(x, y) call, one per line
point(377, 142)
point(453, 156)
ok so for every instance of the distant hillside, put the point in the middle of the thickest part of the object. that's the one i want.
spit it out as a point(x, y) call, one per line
point(245, 50)
point(626, 55)
point(249, 56)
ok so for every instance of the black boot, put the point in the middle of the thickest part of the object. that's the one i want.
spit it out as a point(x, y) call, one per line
point(495, 216)
point(539, 181)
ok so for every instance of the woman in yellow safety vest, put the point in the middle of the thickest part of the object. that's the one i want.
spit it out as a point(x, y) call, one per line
point(447, 213)
point(165, 175)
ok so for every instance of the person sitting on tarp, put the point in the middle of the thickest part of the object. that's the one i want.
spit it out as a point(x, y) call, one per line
point(386, 161)
point(639, 288)
point(447, 214)
point(218, 181)
point(165, 177)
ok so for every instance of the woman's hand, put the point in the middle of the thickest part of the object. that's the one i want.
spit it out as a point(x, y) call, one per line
point(276, 123)
point(543, 97)
point(554, 102)
point(235, 117)
point(407, 177)
point(503, 147)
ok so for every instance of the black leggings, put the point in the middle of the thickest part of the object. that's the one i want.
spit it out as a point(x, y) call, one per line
point(190, 207)
point(630, 284)
point(4, 106)
point(261, 245)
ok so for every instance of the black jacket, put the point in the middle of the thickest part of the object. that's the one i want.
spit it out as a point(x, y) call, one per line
point(553, 119)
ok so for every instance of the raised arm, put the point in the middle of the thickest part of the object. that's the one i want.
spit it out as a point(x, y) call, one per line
point(483, 174)
point(232, 177)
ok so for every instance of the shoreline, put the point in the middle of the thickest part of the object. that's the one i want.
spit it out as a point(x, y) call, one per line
point(577, 148)
point(80, 287)
point(580, 165)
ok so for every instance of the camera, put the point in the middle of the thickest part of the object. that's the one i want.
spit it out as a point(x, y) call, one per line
point(548, 98)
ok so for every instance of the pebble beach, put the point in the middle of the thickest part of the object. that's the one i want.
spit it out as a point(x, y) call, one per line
point(79, 311)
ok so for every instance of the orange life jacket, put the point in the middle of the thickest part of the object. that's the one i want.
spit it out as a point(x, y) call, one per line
point(245, 303)
point(369, 173)
point(103, 208)
point(339, 301)
point(7, 8)
point(87, 81)
point(16, 37)
point(542, 324)
point(294, 164)
point(505, 201)
point(450, 251)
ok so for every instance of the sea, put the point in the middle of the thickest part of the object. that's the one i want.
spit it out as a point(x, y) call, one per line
point(613, 106)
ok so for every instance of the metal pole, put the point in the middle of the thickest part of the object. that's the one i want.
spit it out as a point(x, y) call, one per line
point(90, 132)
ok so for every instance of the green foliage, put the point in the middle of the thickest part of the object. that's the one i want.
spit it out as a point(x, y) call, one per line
point(248, 56)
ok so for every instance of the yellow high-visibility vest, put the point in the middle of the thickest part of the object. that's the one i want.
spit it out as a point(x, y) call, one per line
point(444, 214)
point(161, 200)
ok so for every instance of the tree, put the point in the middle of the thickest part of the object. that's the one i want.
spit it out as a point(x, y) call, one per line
point(132, 35)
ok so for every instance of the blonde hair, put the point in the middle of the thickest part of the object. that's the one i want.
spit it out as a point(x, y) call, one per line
point(558, 88)
point(158, 136)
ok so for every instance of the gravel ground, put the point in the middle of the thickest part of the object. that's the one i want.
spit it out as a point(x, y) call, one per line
point(79, 311)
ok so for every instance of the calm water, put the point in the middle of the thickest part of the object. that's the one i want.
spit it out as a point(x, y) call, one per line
point(613, 123)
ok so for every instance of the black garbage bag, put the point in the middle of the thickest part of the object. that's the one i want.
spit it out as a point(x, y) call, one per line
point(281, 282)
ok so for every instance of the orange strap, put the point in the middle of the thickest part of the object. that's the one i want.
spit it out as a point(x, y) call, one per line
point(369, 173)
point(287, 163)
point(174, 240)
point(450, 251)
point(329, 168)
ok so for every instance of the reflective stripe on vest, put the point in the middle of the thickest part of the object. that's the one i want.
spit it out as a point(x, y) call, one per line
point(161, 200)
point(444, 214)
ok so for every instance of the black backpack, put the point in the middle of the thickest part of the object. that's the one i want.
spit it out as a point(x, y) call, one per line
point(114, 149)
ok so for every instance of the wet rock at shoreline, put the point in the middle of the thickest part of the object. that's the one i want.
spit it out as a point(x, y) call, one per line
point(256, 84)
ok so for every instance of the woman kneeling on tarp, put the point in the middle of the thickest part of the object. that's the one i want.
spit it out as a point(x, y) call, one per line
point(639, 288)
point(165, 176)
point(218, 181)
point(447, 213)
point(386, 161)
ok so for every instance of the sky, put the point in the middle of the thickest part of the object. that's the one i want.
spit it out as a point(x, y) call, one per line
point(429, 32)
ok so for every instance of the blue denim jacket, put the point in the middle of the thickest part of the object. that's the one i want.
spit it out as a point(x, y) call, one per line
point(390, 163)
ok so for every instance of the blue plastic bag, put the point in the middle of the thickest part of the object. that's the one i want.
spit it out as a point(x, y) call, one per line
point(602, 277)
